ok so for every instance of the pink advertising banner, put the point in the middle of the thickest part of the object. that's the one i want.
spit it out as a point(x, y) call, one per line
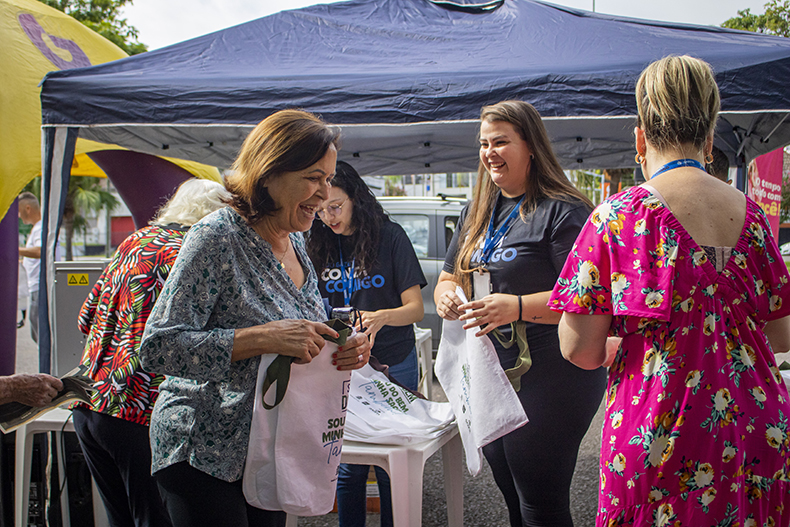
point(765, 185)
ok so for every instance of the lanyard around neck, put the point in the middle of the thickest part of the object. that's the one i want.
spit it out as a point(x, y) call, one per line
point(492, 238)
point(348, 281)
point(677, 164)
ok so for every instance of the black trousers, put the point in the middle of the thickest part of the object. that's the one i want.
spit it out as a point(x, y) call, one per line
point(118, 454)
point(533, 465)
point(196, 499)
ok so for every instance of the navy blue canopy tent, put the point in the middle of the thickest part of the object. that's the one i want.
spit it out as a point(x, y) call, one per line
point(405, 80)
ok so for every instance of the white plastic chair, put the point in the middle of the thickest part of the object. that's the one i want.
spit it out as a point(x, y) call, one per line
point(423, 340)
point(56, 421)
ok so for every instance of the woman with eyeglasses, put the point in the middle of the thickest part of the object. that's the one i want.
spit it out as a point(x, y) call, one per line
point(365, 260)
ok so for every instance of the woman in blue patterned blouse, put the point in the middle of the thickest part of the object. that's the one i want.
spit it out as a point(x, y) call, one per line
point(242, 286)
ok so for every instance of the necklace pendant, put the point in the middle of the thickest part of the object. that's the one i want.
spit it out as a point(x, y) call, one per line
point(280, 265)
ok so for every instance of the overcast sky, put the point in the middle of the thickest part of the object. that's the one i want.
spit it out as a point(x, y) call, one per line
point(165, 22)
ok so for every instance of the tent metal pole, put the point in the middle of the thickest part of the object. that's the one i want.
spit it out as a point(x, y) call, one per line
point(767, 137)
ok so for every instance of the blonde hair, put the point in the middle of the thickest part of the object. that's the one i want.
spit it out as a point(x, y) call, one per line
point(286, 141)
point(193, 199)
point(545, 180)
point(678, 102)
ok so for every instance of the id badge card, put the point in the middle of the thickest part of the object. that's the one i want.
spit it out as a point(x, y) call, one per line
point(481, 284)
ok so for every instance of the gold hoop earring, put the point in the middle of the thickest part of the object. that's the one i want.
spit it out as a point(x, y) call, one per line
point(709, 159)
point(639, 159)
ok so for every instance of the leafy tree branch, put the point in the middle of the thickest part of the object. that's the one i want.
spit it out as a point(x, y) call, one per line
point(103, 17)
point(775, 20)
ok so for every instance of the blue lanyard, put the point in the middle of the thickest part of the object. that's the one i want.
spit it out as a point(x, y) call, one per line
point(348, 281)
point(677, 164)
point(493, 238)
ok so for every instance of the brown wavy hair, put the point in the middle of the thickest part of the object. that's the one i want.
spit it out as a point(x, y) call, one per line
point(545, 180)
point(286, 141)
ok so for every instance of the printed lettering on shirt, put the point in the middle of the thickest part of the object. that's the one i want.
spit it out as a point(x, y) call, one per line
point(334, 281)
point(499, 254)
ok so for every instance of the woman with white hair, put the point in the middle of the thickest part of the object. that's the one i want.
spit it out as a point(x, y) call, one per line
point(113, 430)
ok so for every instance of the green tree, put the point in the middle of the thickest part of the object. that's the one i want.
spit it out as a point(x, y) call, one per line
point(392, 186)
point(784, 212)
point(103, 17)
point(589, 182)
point(775, 21)
point(86, 197)
point(619, 178)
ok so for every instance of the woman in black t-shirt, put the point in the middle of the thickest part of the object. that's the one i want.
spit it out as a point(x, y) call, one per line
point(506, 254)
point(366, 261)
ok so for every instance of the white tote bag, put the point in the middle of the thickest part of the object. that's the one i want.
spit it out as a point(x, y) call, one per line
point(485, 404)
point(380, 411)
point(294, 450)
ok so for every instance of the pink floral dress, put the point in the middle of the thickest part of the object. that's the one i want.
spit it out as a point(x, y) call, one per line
point(696, 425)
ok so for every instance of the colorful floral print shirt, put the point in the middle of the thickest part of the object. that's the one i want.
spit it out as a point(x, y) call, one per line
point(225, 277)
point(114, 315)
point(697, 424)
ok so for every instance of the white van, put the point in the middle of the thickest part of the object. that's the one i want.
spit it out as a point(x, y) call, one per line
point(430, 224)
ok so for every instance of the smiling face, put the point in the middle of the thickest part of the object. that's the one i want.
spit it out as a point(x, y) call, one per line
point(506, 156)
point(300, 194)
point(339, 222)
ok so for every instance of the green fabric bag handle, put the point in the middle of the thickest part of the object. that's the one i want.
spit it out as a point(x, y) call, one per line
point(279, 371)
point(524, 361)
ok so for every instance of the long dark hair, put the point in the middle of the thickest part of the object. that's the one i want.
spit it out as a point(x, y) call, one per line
point(367, 218)
point(545, 180)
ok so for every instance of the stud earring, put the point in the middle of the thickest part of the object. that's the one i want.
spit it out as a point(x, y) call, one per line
point(639, 159)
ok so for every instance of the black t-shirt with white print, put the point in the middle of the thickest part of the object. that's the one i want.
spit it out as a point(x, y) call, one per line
point(397, 269)
point(530, 256)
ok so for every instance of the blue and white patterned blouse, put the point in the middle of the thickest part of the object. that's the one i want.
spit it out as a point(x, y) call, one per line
point(225, 277)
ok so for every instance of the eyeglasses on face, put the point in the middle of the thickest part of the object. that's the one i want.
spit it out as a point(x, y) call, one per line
point(331, 210)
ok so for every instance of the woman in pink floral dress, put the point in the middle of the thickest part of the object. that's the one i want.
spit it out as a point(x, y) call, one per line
point(685, 271)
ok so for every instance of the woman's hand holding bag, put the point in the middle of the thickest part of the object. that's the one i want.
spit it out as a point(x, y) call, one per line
point(486, 408)
point(294, 449)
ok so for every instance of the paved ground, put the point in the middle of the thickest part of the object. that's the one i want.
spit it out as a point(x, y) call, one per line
point(26, 351)
point(483, 504)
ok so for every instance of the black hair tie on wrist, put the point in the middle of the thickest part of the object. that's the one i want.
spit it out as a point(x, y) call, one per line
point(520, 307)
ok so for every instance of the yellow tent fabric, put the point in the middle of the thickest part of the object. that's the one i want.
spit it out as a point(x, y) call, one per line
point(36, 39)
point(84, 165)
